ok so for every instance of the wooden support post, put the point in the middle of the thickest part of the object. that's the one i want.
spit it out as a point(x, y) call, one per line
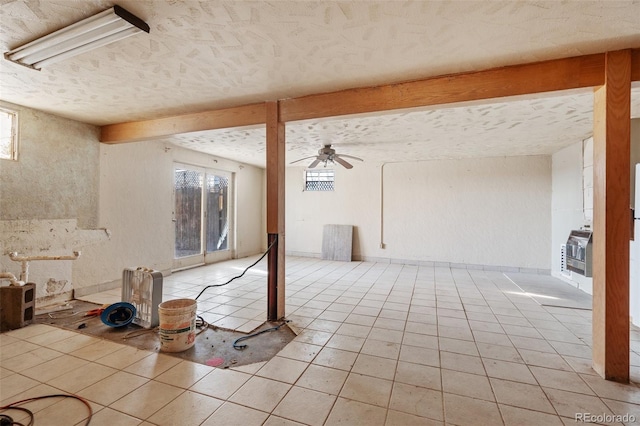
point(611, 158)
point(275, 211)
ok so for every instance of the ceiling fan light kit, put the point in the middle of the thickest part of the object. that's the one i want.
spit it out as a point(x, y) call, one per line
point(327, 155)
point(96, 31)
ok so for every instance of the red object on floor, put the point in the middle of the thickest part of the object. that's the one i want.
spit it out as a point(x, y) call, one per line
point(214, 362)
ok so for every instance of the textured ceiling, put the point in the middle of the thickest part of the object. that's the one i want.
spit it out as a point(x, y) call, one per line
point(212, 54)
point(520, 127)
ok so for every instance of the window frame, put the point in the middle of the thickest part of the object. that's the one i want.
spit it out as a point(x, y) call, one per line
point(14, 133)
point(319, 178)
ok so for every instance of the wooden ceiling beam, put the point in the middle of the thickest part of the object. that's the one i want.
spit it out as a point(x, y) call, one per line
point(527, 79)
point(246, 115)
point(548, 76)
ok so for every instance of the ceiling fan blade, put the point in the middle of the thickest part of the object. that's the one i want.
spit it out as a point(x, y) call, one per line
point(342, 162)
point(315, 163)
point(350, 156)
point(302, 159)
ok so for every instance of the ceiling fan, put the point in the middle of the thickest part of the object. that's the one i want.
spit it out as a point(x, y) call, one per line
point(326, 154)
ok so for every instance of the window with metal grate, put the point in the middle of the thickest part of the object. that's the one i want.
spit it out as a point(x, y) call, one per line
point(319, 180)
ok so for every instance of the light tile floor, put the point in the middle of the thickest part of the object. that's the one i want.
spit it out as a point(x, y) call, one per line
point(380, 344)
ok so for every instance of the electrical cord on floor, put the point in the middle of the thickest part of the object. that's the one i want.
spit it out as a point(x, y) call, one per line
point(136, 333)
point(15, 406)
point(201, 324)
point(243, 272)
point(64, 316)
point(240, 347)
point(7, 421)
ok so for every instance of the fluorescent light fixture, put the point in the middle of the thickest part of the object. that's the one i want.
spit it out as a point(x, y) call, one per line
point(96, 31)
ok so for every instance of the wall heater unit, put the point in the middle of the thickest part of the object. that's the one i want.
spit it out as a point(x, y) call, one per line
point(579, 252)
point(142, 287)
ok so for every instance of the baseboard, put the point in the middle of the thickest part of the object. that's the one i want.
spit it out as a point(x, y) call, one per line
point(303, 254)
point(109, 285)
point(416, 262)
point(97, 288)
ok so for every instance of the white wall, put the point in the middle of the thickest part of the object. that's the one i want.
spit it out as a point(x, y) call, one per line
point(634, 257)
point(355, 201)
point(568, 209)
point(572, 205)
point(635, 245)
point(250, 211)
point(635, 157)
point(493, 212)
point(136, 205)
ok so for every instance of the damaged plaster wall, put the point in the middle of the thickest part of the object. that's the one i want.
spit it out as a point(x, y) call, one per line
point(56, 175)
point(55, 178)
point(50, 244)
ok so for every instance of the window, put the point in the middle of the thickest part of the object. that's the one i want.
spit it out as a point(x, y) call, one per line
point(319, 180)
point(8, 134)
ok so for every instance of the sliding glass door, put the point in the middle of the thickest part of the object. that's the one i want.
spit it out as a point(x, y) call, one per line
point(203, 231)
